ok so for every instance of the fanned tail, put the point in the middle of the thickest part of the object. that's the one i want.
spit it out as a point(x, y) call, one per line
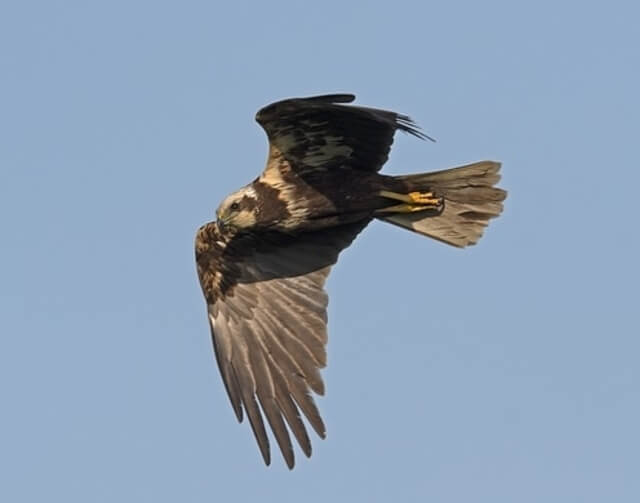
point(470, 201)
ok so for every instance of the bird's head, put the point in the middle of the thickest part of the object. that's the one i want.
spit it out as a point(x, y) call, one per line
point(238, 211)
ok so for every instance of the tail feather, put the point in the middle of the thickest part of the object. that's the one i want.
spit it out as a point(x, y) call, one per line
point(470, 201)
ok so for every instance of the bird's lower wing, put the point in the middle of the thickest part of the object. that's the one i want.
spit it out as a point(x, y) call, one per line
point(269, 326)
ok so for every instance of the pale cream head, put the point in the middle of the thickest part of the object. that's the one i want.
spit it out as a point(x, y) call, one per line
point(238, 210)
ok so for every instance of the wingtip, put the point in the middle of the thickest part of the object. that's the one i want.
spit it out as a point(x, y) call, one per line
point(407, 125)
point(266, 456)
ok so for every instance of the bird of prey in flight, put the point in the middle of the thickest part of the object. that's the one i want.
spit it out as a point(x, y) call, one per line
point(263, 263)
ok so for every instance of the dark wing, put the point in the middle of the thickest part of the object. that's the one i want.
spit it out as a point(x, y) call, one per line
point(268, 313)
point(321, 132)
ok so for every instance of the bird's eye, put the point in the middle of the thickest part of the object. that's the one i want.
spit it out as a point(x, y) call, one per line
point(234, 206)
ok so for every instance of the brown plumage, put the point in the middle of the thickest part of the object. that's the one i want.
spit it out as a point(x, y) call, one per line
point(263, 264)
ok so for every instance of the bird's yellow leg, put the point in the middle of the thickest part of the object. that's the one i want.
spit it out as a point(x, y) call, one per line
point(402, 208)
point(413, 201)
point(395, 195)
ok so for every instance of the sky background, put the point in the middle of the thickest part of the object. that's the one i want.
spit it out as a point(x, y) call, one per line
point(505, 372)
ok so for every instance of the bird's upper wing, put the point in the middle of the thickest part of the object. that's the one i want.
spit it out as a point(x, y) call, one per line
point(322, 132)
point(268, 313)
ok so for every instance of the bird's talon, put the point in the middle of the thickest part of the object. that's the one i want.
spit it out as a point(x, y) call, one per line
point(425, 199)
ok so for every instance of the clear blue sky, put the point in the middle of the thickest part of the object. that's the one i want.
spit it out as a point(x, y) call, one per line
point(505, 372)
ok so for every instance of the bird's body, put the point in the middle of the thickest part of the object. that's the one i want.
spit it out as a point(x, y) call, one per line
point(263, 263)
